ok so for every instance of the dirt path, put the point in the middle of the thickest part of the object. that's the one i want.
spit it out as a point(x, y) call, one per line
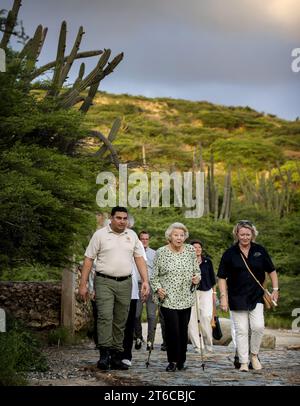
point(76, 366)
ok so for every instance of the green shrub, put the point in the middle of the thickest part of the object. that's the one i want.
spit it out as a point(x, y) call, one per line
point(62, 336)
point(32, 272)
point(44, 200)
point(246, 151)
point(20, 353)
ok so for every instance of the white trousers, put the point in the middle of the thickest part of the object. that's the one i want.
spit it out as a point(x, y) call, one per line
point(232, 329)
point(243, 320)
point(205, 302)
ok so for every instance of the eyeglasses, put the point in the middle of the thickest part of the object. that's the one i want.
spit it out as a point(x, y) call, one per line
point(245, 222)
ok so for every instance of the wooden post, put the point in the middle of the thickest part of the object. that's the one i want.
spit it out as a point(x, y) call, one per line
point(68, 299)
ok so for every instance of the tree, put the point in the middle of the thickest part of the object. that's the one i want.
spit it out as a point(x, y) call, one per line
point(47, 191)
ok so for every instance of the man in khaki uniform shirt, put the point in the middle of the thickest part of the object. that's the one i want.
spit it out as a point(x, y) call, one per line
point(113, 247)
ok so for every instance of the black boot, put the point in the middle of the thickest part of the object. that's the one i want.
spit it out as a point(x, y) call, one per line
point(116, 361)
point(181, 366)
point(104, 360)
point(236, 362)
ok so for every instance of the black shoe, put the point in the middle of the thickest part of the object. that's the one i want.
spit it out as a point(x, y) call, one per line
point(181, 367)
point(118, 365)
point(138, 344)
point(104, 360)
point(171, 367)
point(163, 347)
point(236, 362)
point(116, 361)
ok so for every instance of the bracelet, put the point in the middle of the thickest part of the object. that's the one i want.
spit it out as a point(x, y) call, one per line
point(276, 289)
point(214, 293)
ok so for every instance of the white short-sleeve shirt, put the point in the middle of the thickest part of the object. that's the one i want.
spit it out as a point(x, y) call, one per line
point(114, 251)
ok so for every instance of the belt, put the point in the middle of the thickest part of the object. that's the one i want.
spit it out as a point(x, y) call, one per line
point(115, 278)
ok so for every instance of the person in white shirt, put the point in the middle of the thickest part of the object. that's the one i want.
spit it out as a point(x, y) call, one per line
point(113, 247)
point(129, 327)
point(150, 305)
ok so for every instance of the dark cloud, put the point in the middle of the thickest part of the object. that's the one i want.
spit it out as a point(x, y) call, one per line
point(230, 52)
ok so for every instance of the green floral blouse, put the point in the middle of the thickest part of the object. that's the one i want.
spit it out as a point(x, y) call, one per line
point(173, 272)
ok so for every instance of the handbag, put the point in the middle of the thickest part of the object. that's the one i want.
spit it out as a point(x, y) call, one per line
point(216, 329)
point(268, 301)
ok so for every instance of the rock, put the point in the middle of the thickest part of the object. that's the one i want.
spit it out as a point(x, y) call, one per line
point(293, 347)
point(34, 315)
point(268, 341)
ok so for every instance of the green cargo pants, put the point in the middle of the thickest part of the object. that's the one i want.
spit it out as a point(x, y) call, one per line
point(113, 301)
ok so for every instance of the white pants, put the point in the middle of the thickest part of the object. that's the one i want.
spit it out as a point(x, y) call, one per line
point(242, 319)
point(205, 302)
point(232, 331)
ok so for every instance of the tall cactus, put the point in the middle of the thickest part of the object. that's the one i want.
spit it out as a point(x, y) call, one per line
point(228, 196)
point(212, 183)
point(111, 137)
point(201, 163)
point(70, 59)
point(95, 76)
point(206, 195)
point(56, 80)
point(216, 208)
point(226, 204)
point(11, 21)
point(80, 55)
point(108, 145)
point(211, 195)
point(265, 194)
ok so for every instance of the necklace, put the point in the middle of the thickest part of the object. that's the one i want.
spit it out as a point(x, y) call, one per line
point(245, 251)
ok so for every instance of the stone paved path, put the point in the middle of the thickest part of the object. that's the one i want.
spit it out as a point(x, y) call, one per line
point(76, 365)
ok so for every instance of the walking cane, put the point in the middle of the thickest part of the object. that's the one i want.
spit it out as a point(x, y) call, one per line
point(154, 331)
point(199, 329)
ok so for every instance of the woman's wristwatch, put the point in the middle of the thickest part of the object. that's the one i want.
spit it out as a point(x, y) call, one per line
point(276, 289)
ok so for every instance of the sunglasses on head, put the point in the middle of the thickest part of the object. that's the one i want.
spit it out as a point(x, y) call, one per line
point(245, 223)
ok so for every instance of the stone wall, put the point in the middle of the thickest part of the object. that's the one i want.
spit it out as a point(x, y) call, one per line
point(83, 310)
point(36, 304)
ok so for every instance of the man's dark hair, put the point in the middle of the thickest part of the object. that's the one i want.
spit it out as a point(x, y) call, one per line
point(118, 208)
point(143, 232)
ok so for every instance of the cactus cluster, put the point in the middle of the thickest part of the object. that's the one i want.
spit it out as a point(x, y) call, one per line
point(211, 193)
point(271, 191)
point(83, 89)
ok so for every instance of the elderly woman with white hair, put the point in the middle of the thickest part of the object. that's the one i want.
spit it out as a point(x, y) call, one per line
point(176, 271)
point(242, 293)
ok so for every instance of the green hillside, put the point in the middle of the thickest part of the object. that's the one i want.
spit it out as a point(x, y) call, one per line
point(262, 151)
point(172, 129)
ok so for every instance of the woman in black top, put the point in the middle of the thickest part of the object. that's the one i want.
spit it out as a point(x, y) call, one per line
point(206, 302)
point(240, 291)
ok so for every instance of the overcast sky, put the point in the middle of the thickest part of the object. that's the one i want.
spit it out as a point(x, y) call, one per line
point(232, 52)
